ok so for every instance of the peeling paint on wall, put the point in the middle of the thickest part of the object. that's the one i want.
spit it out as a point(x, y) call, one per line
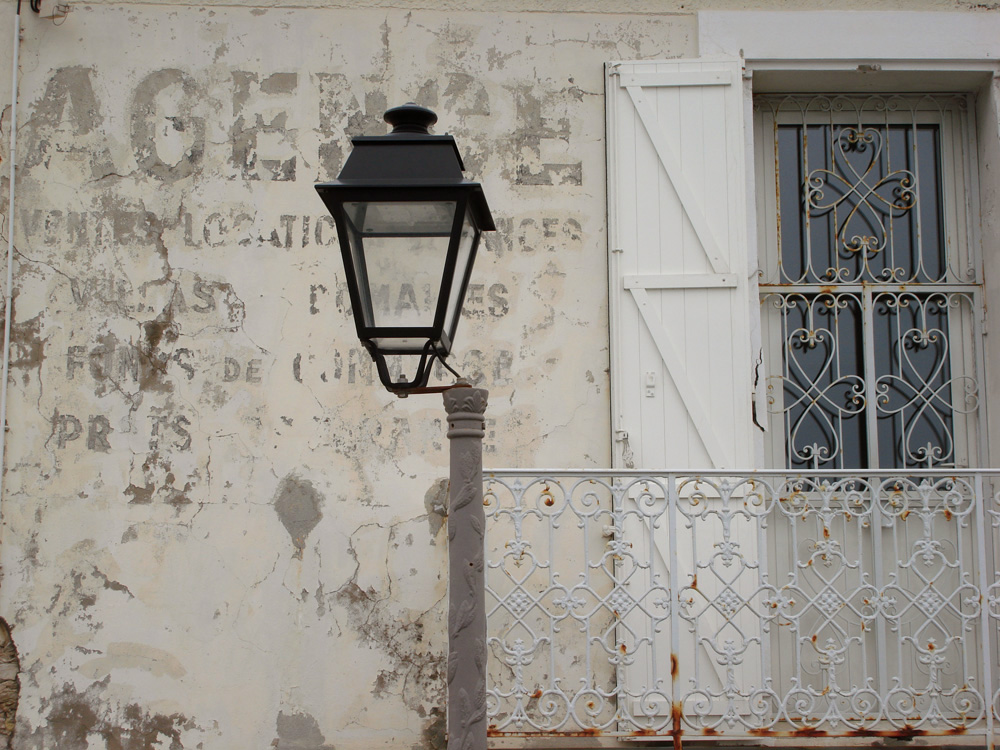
point(76, 719)
point(299, 731)
point(298, 506)
point(205, 486)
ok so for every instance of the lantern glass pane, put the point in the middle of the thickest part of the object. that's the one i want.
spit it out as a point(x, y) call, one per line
point(388, 219)
point(361, 273)
point(396, 345)
point(404, 246)
point(466, 244)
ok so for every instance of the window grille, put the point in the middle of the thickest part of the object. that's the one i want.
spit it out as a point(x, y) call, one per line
point(871, 298)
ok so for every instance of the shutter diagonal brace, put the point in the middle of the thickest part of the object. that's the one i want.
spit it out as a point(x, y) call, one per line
point(678, 374)
point(673, 169)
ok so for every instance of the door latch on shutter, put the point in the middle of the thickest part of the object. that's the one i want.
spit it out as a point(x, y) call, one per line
point(628, 458)
point(650, 383)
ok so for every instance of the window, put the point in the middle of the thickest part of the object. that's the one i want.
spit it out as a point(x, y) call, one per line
point(796, 602)
point(871, 301)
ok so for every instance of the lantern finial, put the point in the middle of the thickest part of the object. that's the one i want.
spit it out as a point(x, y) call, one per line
point(410, 118)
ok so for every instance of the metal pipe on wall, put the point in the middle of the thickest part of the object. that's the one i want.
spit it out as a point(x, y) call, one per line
point(9, 289)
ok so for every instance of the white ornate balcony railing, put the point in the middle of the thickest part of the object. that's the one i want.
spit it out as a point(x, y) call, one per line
point(760, 604)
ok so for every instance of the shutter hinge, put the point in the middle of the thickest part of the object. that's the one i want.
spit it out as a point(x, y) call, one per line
point(613, 69)
point(617, 250)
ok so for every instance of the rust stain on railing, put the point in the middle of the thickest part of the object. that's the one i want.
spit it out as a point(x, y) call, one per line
point(677, 732)
point(612, 710)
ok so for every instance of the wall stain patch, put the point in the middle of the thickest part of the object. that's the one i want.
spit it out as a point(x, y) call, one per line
point(162, 330)
point(73, 716)
point(299, 731)
point(27, 344)
point(125, 655)
point(436, 503)
point(435, 732)
point(297, 504)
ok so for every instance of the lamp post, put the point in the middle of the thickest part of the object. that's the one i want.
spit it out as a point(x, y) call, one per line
point(407, 220)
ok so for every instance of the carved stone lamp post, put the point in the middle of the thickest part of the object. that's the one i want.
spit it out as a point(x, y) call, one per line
point(405, 215)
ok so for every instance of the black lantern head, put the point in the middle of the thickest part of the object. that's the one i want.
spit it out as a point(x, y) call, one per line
point(409, 226)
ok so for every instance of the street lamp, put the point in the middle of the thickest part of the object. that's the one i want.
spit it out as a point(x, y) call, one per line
point(408, 222)
point(409, 226)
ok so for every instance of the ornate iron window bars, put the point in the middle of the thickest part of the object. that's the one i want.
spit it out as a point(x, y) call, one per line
point(869, 288)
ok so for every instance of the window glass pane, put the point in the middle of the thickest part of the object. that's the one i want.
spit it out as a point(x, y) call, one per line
point(918, 394)
point(823, 387)
point(860, 203)
point(793, 219)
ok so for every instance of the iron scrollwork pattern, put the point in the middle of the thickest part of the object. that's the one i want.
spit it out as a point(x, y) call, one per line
point(866, 291)
point(862, 201)
point(742, 605)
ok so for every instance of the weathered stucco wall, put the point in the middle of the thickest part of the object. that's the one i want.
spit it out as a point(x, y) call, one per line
point(218, 530)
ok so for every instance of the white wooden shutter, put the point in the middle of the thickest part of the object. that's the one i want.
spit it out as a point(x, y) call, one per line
point(680, 313)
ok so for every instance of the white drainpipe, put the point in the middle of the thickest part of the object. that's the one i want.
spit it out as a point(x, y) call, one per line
point(9, 291)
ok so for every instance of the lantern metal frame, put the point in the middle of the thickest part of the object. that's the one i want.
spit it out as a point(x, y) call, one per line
point(407, 166)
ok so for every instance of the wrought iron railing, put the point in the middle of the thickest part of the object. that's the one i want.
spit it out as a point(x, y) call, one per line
point(624, 603)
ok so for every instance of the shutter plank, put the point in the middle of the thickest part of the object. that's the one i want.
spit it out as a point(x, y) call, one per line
point(673, 169)
point(678, 280)
point(707, 78)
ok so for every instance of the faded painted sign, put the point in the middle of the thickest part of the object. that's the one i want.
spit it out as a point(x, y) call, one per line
point(218, 530)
